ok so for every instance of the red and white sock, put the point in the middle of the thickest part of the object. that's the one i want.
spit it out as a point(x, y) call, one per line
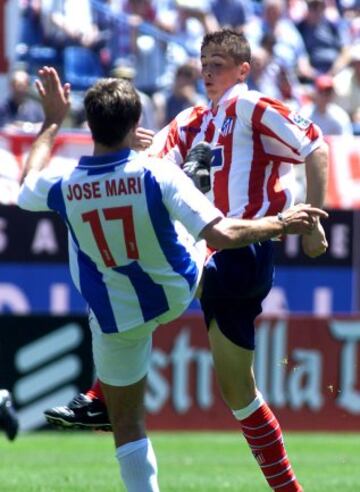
point(95, 391)
point(262, 431)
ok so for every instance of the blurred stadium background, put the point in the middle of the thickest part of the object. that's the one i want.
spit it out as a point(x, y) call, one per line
point(308, 336)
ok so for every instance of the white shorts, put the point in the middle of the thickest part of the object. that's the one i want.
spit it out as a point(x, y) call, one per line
point(121, 359)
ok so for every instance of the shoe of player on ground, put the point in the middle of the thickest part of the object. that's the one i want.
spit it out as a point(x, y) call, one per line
point(81, 413)
point(9, 422)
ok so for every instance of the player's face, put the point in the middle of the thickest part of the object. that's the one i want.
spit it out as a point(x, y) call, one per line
point(219, 72)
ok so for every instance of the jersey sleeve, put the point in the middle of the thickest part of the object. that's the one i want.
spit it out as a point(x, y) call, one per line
point(172, 140)
point(34, 192)
point(184, 201)
point(284, 134)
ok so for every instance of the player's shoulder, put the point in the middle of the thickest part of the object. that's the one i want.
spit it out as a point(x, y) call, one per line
point(58, 169)
point(157, 165)
point(162, 170)
point(44, 178)
point(191, 114)
point(254, 100)
point(254, 97)
point(248, 100)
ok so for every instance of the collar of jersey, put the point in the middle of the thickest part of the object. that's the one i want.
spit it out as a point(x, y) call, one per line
point(234, 91)
point(110, 159)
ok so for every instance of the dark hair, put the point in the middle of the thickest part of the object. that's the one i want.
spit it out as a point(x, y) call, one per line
point(112, 108)
point(234, 43)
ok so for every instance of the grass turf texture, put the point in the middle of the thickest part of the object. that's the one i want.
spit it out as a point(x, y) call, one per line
point(201, 462)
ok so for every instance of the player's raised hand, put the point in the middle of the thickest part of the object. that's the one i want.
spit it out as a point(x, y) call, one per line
point(55, 97)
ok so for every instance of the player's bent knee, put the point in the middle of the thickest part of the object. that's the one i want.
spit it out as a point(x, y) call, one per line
point(238, 394)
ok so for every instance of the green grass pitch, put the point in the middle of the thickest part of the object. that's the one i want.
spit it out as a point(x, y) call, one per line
point(201, 462)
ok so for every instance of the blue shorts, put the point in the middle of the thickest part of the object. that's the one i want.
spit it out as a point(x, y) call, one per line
point(236, 281)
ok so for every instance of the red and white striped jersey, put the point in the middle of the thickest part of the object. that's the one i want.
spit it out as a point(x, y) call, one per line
point(256, 141)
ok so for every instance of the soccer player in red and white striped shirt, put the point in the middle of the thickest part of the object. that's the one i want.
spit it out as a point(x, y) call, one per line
point(256, 142)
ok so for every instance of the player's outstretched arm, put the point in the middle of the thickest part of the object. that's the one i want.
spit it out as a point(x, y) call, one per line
point(55, 100)
point(230, 233)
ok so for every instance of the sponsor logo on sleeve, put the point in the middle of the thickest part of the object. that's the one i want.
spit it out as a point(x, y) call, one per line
point(299, 120)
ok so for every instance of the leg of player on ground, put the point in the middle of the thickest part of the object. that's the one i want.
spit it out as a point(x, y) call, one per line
point(260, 427)
point(133, 449)
point(95, 391)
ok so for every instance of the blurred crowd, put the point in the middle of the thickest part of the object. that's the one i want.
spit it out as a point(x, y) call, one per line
point(304, 52)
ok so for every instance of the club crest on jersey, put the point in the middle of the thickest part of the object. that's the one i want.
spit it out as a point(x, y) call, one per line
point(299, 120)
point(227, 126)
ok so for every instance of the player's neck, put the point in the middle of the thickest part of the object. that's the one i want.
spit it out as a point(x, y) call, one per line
point(126, 143)
point(100, 149)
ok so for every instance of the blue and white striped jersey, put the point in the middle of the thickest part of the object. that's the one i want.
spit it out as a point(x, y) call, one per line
point(133, 225)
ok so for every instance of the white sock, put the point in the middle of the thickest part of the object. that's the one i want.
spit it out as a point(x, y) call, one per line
point(138, 466)
point(244, 413)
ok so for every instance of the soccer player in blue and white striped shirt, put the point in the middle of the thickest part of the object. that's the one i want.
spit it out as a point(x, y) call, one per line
point(136, 246)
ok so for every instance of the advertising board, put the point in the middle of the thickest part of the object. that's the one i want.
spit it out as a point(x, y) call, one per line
point(34, 275)
point(306, 368)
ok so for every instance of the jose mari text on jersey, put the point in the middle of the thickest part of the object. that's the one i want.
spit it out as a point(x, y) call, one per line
point(111, 187)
